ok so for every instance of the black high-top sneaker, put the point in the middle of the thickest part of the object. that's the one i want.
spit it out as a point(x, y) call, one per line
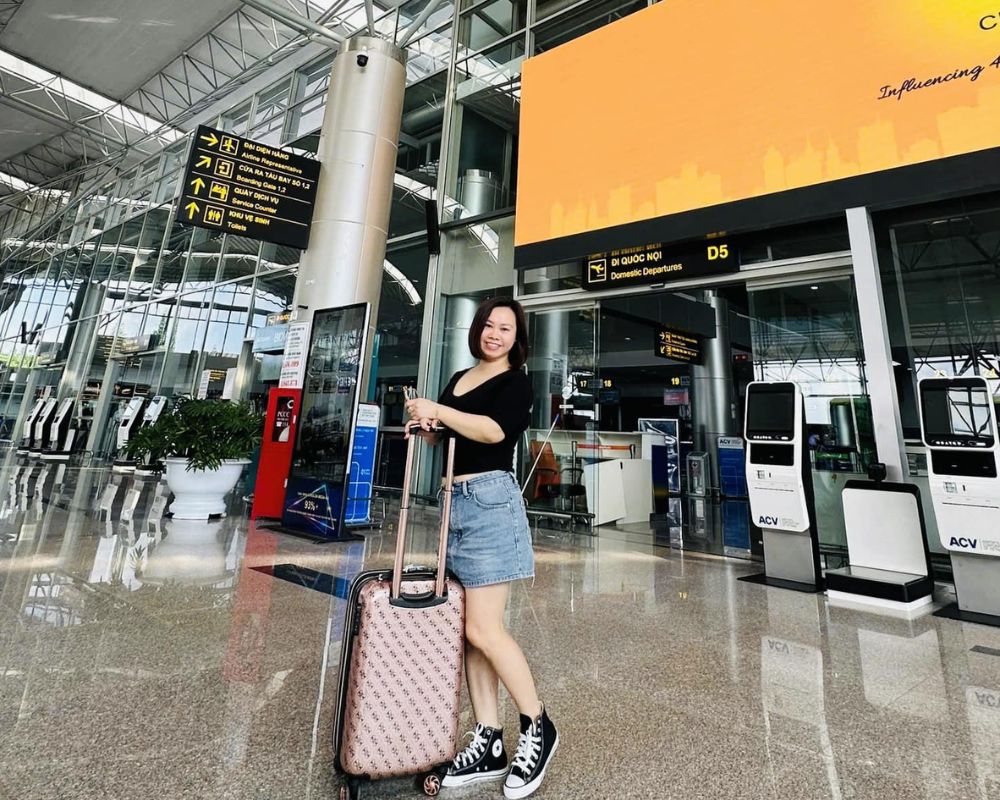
point(483, 759)
point(535, 748)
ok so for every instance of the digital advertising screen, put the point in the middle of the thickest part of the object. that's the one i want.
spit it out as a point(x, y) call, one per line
point(691, 118)
point(315, 494)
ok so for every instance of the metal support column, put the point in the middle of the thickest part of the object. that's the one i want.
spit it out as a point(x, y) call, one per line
point(875, 340)
point(357, 149)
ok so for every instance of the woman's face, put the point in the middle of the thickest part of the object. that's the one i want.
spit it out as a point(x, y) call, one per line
point(499, 334)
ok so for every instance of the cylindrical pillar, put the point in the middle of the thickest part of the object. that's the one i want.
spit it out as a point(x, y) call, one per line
point(712, 381)
point(480, 192)
point(459, 314)
point(549, 367)
point(357, 149)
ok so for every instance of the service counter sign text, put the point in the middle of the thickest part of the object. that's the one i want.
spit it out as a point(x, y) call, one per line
point(235, 185)
point(654, 263)
point(677, 346)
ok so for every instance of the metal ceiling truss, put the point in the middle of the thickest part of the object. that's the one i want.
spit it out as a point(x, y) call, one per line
point(8, 8)
point(239, 49)
point(235, 52)
point(86, 131)
point(246, 38)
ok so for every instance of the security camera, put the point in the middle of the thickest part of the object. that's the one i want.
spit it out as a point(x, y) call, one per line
point(363, 59)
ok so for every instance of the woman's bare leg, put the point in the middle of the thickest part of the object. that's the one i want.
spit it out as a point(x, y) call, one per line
point(495, 654)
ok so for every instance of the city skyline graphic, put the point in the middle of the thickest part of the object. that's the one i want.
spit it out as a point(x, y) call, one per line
point(780, 101)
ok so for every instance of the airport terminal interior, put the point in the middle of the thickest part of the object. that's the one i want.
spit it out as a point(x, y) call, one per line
point(762, 469)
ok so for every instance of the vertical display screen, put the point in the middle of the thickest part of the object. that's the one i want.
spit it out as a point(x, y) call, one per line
point(771, 412)
point(314, 498)
point(956, 413)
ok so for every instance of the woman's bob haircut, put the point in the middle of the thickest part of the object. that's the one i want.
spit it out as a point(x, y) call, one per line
point(519, 352)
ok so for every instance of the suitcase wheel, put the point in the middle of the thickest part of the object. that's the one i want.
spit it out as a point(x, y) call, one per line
point(432, 784)
point(351, 791)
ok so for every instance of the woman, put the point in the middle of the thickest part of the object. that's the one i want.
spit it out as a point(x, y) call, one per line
point(487, 408)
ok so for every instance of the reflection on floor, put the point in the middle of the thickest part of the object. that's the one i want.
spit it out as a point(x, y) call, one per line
point(143, 657)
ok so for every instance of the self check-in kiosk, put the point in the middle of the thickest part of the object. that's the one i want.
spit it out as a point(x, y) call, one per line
point(61, 435)
point(131, 419)
point(41, 426)
point(28, 436)
point(958, 423)
point(152, 413)
point(779, 484)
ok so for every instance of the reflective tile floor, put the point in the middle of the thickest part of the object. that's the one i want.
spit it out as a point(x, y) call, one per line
point(146, 658)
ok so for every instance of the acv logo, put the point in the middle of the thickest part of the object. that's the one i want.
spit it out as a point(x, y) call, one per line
point(767, 521)
point(961, 541)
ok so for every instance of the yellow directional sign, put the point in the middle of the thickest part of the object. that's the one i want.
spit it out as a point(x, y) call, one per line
point(246, 188)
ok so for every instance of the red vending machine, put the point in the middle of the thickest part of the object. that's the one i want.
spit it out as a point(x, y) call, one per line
point(276, 452)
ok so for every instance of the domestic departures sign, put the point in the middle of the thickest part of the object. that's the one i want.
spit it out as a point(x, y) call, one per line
point(246, 188)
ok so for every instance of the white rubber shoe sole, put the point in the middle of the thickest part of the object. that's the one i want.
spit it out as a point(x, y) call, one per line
point(519, 792)
point(454, 781)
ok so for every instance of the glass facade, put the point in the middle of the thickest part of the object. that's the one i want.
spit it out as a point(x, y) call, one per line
point(105, 294)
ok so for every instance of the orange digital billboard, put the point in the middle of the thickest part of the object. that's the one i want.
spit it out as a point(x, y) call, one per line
point(692, 105)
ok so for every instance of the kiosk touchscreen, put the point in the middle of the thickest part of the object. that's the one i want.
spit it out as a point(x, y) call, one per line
point(959, 427)
point(130, 421)
point(29, 426)
point(779, 484)
point(60, 434)
point(41, 426)
point(153, 412)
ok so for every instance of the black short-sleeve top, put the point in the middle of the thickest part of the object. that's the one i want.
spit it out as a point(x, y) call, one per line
point(506, 399)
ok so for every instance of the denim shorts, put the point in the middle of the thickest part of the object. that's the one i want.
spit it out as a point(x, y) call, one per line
point(489, 540)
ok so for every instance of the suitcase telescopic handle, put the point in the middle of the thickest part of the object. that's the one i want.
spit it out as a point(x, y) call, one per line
point(416, 433)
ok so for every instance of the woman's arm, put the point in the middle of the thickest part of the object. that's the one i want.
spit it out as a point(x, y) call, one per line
point(477, 427)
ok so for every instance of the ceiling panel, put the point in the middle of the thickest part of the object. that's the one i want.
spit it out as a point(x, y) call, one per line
point(111, 46)
point(19, 131)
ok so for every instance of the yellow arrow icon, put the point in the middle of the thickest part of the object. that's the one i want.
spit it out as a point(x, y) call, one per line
point(212, 139)
point(204, 161)
point(198, 184)
point(192, 209)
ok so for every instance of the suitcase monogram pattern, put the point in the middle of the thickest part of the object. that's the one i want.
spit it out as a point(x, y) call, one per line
point(400, 713)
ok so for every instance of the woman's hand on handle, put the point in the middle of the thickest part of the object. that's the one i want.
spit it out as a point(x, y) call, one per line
point(425, 424)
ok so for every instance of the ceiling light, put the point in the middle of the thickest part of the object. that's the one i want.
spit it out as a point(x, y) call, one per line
point(814, 288)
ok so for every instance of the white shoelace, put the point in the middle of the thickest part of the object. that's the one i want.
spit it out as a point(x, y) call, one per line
point(473, 750)
point(529, 748)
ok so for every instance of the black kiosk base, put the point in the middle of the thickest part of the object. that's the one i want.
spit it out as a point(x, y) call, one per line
point(780, 583)
point(952, 611)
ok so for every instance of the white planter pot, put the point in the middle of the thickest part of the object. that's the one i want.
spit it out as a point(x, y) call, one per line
point(190, 552)
point(199, 493)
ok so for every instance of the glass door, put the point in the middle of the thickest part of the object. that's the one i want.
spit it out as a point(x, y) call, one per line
point(809, 333)
point(561, 444)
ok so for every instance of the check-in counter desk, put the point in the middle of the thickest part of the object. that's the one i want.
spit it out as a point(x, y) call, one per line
point(600, 473)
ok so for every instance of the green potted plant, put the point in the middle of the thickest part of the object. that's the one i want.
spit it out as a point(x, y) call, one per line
point(205, 444)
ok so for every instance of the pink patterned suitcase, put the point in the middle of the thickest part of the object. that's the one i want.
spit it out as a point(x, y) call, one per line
point(401, 661)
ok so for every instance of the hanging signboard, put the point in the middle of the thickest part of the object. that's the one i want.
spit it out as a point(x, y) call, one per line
point(239, 186)
point(316, 491)
point(654, 263)
point(269, 338)
point(677, 346)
